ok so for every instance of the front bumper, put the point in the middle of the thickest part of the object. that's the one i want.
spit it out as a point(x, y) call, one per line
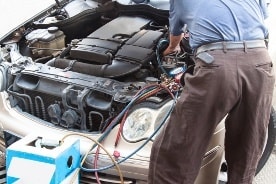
point(134, 169)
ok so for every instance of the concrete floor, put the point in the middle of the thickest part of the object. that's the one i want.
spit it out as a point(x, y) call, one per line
point(14, 11)
point(268, 173)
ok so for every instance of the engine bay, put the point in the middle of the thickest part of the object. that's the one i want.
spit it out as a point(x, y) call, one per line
point(80, 65)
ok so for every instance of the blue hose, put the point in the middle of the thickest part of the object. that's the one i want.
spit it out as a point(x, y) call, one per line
point(141, 146)
point(158, 54)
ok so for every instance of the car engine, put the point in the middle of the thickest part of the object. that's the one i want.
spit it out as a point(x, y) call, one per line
point(78, 70)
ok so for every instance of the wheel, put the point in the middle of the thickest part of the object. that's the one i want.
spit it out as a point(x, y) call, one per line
point(270, 141)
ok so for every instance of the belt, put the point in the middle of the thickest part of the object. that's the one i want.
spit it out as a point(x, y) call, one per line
point(228, 45)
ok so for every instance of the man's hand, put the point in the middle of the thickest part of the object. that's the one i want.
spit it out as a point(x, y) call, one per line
point(173, 45)
point(170, 50)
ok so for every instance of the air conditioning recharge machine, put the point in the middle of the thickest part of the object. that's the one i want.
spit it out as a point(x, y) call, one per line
point(31, 161)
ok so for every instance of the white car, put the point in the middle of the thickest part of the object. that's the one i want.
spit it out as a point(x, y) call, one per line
point(92, 70)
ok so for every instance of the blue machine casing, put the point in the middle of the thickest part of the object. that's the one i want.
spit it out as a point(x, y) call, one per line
point(27, 163)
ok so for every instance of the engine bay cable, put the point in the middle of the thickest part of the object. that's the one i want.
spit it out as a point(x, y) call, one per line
point(146, 95)
point(141, 95)
point(101, 146)
point(146, 141)
point(160, 43)
point(96, 165)
point(120, 115)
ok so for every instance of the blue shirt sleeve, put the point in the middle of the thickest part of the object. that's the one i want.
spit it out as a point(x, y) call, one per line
point(182, 12)
point(176, 24)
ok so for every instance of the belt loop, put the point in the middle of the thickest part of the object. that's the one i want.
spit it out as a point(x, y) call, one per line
point(245, 46)
point(224, 47)
point(195, 52)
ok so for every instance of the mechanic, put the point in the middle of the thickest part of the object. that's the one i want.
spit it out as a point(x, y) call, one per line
point(233, 76)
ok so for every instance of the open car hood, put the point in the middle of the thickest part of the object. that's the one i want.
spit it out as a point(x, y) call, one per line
point(44, 8)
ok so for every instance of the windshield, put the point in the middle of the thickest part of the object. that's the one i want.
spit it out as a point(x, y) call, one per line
point(14, 12)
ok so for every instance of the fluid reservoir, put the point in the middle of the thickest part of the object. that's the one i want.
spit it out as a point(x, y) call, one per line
point(45, 42)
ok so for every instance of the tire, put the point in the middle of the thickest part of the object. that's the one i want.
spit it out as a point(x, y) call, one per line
point(270, 141)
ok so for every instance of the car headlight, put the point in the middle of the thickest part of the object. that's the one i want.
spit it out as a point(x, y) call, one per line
point(142, 122)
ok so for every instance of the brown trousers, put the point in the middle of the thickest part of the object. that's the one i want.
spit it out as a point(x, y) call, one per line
point(238, 83)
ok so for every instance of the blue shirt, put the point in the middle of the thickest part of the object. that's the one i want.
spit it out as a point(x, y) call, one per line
point(218, 20)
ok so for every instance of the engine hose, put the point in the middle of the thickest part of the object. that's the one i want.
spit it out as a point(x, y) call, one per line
point(141, 146)
point(100, 145)
point(42, 107)
point(120, 129)
point(150, 93)
point(22, 96)
point(155, 91)
point(117, 68)
point(90, 118)
point(158, 55)
point(118, 134)
point(135, 151)
point(96, 165)
point(109, 128)
point(120, 115)
point(43, 59)
point(136, 98)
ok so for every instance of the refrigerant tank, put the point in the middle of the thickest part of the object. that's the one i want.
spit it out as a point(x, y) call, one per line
point(45, 42)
